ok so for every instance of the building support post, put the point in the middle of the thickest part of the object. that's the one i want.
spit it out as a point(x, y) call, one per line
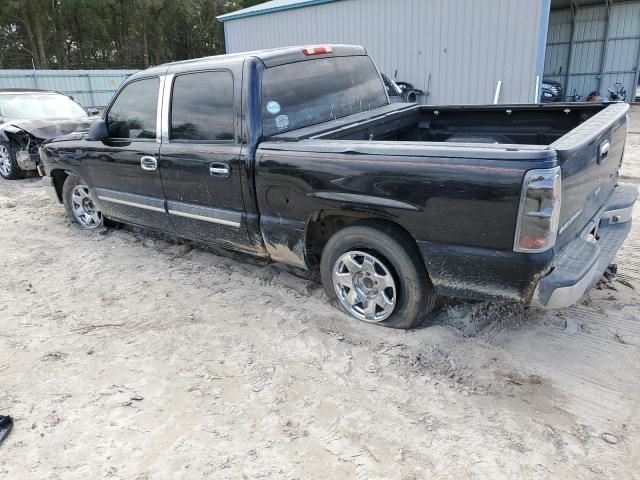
point(565, 86)
point(543, 30)
point(605, 46)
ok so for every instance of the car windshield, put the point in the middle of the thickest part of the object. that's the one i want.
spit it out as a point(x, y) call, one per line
point(43, 106)
point(305, 93)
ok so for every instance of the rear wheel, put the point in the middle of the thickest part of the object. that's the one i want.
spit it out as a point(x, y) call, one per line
point(79, 203)
point(9, 168)
point(375, 274)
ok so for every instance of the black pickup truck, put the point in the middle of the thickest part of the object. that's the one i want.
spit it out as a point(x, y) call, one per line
point(296, 154)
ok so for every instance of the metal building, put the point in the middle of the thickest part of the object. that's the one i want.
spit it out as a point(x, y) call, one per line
point(461, 51)
point(91, 88)
point(592, 45)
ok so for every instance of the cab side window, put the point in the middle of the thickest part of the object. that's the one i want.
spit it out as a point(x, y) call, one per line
point(202, 107)
point(133, 114)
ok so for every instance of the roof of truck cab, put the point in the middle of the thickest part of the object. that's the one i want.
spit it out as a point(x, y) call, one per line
point(270, 57)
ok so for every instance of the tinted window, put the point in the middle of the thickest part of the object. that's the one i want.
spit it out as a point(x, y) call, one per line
point(305, 93)
point(202, 107)
point(133, 114)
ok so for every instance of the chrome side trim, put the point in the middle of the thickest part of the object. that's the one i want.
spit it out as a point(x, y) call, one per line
point(159, 108)
point(166, 107)
point(130, 204)
point(570, 221)
point(205, 219)
point(145, 202)
point(220, 216)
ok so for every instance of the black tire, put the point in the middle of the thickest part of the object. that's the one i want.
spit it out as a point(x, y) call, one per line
point(72, 204)
point(415, 297)
point(9, 168)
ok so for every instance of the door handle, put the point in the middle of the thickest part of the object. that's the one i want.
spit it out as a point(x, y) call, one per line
point(603, 151)
point(148, 163)
point(219, 170)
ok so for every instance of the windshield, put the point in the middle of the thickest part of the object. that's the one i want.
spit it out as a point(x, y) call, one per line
point(305, 93)
point(39, 107)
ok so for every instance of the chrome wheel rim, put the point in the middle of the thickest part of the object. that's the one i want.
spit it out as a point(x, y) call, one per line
point(365, 286)
point(84, 210)
point(5, 161)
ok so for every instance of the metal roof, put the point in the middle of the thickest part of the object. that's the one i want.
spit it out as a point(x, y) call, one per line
point(270, 7)
point(279, 5)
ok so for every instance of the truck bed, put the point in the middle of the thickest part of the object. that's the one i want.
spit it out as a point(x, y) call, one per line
point(457, 194)
point(494, 124)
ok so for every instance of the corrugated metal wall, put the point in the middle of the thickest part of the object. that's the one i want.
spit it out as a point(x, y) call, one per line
point(578, 52)
point(463, 46)
point(92, 88)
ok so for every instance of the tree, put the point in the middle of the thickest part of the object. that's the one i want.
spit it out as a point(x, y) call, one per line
point(110, 33)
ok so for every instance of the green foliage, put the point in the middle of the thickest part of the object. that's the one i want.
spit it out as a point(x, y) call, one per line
point(110, 33)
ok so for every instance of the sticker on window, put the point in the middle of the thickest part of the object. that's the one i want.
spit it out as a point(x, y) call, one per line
point(282, 121)
point(273, 107)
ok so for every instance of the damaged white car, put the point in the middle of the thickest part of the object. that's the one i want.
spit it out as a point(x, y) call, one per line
point(27, 118)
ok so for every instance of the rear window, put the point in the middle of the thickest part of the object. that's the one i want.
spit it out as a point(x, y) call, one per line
point(299, 94)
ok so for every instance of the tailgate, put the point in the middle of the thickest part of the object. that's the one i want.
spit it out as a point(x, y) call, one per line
point(590, 156)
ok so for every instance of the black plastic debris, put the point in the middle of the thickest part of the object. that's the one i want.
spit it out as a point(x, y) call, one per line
point(6, 424)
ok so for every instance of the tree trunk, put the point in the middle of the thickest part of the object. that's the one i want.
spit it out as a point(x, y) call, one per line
point(145, 43)
point(33, 48)
point(37, 30)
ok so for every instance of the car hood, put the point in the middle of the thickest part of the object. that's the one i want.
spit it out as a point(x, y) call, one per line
point(44, 129)
point(552, 83)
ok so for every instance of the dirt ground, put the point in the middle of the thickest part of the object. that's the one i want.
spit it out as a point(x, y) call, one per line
point(130, 357)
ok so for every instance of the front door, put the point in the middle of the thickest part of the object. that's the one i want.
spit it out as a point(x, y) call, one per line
point(123, 169)
point(200, 159)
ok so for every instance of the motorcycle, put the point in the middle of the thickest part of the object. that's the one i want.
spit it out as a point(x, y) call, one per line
point(618, 93)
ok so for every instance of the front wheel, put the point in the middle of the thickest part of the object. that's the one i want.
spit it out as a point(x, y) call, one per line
point(9, 168)
point(79, 203)
point(375, 274)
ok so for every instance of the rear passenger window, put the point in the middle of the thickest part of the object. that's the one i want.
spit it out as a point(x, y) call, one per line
point(202, 107)
point(133, 114)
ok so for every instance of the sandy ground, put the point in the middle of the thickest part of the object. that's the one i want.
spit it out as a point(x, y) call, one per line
point(130, 357)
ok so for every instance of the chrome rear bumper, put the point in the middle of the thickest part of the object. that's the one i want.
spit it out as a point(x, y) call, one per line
point(582, 262)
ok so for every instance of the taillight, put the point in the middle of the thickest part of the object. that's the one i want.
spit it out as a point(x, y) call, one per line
point(539, 211)
point(317, 50)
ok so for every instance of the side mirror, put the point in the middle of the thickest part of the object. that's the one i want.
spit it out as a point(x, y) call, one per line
point(98, 130)
point(93, 111)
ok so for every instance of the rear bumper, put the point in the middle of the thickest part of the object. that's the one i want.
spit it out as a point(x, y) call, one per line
point(581, 263)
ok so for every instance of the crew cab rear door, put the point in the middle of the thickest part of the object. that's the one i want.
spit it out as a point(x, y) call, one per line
point(200, 157)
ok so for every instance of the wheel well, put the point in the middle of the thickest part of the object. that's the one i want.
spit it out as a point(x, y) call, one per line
point(59, 177)
point(323, 225)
